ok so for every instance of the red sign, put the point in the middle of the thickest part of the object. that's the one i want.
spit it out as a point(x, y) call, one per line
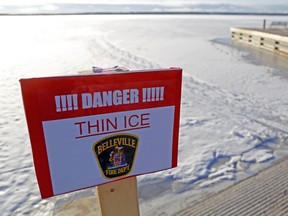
point(88, 130)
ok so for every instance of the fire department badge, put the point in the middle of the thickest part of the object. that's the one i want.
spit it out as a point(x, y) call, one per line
point(115, 154)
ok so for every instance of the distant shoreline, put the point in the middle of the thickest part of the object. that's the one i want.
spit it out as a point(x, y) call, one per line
point(145, 13)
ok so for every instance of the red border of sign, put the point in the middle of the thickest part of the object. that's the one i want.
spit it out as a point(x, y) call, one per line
point(37, 140)
point(35, 118)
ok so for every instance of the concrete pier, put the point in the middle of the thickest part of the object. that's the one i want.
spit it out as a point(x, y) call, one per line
point(274, 40)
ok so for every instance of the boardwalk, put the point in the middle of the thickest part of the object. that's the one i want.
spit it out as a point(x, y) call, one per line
point(264, 194)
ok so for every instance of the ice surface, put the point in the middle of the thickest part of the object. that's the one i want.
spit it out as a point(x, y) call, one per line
point(234, 112)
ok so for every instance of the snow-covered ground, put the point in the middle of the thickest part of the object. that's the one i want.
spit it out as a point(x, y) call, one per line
point(234, 115)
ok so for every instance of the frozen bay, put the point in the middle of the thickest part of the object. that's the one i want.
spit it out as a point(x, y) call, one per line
point(234, 111)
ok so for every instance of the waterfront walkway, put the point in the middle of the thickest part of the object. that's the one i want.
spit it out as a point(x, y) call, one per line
point(265, 194)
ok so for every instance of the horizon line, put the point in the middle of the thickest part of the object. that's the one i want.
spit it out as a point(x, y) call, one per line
point(148, 13)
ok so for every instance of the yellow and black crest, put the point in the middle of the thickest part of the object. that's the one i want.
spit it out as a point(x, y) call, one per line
point(115, 154)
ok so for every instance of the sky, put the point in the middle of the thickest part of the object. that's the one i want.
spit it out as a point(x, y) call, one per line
point(115, 6)
point(37, 2)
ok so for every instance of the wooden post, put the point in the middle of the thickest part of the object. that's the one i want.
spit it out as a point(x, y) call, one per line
point(119, 198)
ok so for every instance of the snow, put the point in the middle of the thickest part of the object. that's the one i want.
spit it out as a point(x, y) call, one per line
point(233, 114)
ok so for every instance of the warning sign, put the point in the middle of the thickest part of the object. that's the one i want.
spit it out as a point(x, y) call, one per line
point(88, 130)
